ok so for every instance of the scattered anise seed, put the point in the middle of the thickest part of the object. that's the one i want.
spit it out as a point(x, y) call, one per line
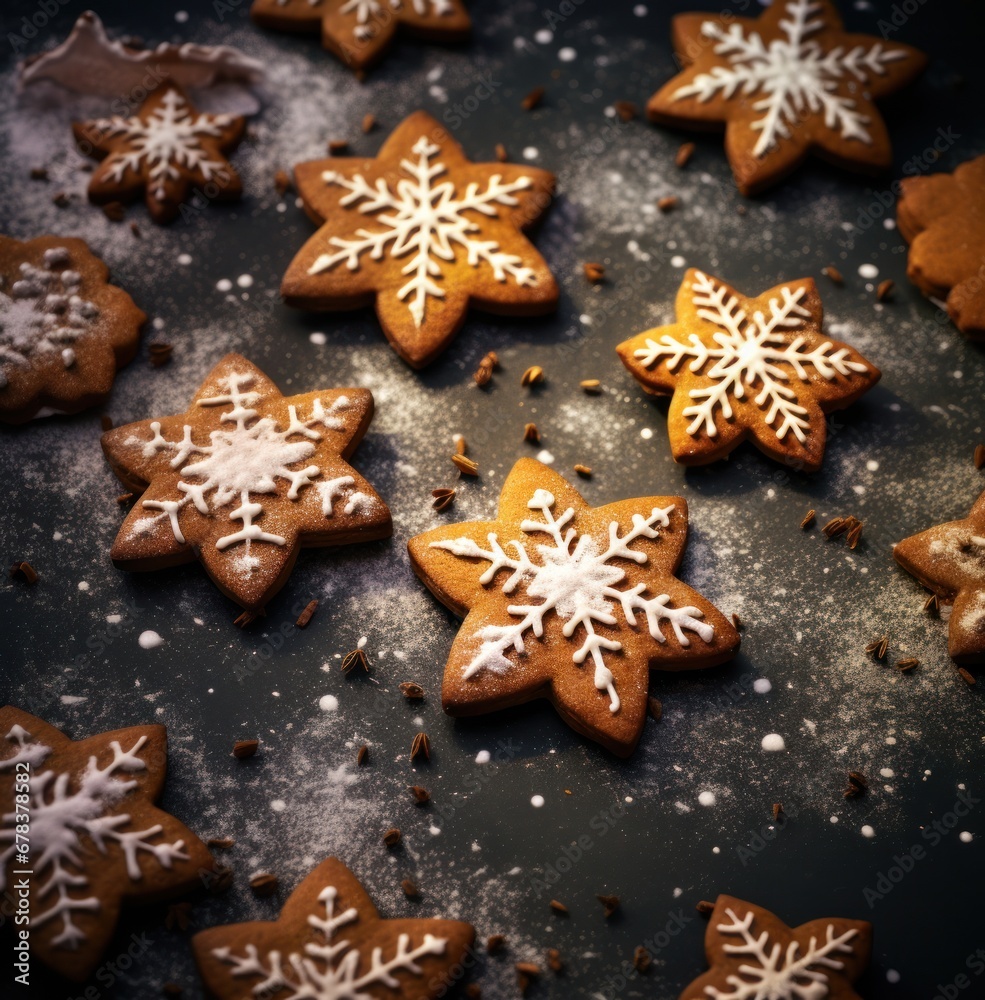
point(443, 497)
point(655, 708)
point(135, 229)
point(736, 621)
point(461, 445)
point(854, 536)
point(501, 153)
point(858, 779)
point(482, 375)
point(495, 943)
point(220, 879)
point(531, 434)
point(523, 981)
point(246, 618)
point(584, 471)
point(532, 375)
point(245, 748)
point(282, 182)
point(392, 837)
point(557, 906)
point(967, 676)
point(264, 884)
point(410, 888)
point(160, 353)
point(554, 962)
point(361, 755)
point(420, 745)
point(595, 273)
point(853, 792)
point(24, 571)
point(932, 605)
point(223, 843)
point(310, 608)
point(835, 527)
point(777, 811)
point(172, 990)
point(704, 907)
point(833, 274)
point(336, 146)
point(115, 211)
point(411, 691)
point(809, 518)
point(357, 658)
point(904, 666)
point(878, 647)
point(369, 123)
point(39, 173)
point(529, 968)
point(178, 916)
point(626, 110)
point(421, 795)
point(979, 456)
point(667, 203)
point(591, 385)
point(741, 209)
point(106, 422)
point(641, 959)
point(60, 200)
point(609, 905)
point(465, 465)
point(533, 99)
point(885, 289)
point(684, 154)
point(491, 358)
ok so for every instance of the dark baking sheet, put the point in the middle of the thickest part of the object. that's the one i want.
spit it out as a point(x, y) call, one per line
point(900, 460)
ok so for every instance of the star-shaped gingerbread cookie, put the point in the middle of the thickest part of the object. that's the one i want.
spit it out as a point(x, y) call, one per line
point(243, 479)
point(331, 943)
point(80, 834)
point(360, 31)
point(942, 217)
point(783, 84)
point(571, 603)
point(752, 953)
point(738, 367)
point(949, 559)
point(423, 232)
point(168, 151)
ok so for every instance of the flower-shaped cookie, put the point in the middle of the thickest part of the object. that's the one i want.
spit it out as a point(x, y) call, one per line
point(423, 232)
point(569, 602)
point(740, 367)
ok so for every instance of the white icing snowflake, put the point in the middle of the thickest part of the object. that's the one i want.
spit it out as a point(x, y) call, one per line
point(578, 584)
point(245, 458)
point(59, 818)
point(795, 76)
point(779, 975)
point(170, 138)
point(749, 352)
point(369, 10)
point(329, 971)
point(428, 221)
point(42, 313)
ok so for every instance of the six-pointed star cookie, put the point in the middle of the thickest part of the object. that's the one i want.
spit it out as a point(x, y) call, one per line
point(64, 330)
point(752, 953)
point(942, 217)
point(360, 31)
point(166, 150)
point(330, 943)
point(243, 479)
point(741, 368)
point(949, 559)
point(569, 602)
point(423, 232)
point(96, 837)
point(783, 84)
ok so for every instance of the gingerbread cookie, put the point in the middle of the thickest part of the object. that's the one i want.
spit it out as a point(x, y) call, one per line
point(331, 943)
point(752, 954)
point(949, 559)
point(757, 368)
point(423, 232)
point(80, 835)
point(64, 330)
point(360, 31)
point(571, 603)
point(783, 84)
point(244, 479)
point(167, 150)
point(942, 217)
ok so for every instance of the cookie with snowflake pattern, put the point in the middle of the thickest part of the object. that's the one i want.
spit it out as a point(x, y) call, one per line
point(942, 217)
point(784, 84)
point(64, 330)
point(360, 31)
point(83, 813)
point(752, 953)
point(740, 368)
point(330, 943)
point(243, 479)
point(167, 150)
point(569, 602)
point(422, 232)
point(949, 559)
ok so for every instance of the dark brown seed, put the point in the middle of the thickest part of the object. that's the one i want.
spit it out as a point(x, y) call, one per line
point(310, 608)
point(410, 888)
point(492, 359)
point(905, 666)
point(420, 746)
point(124, 498)
point(595, 273)
point(178, 916)
point(172, 990)
point(979, 456)
point(809, 518)
point(443, 498)
point(853, 792)
point(531, 434)
point(641, 959)
point(533, 99)
point(60, 200)
point(529, 968)
point(858, 779)
point(495, 943)
point(282, 182)
point(223, 843)
point(501, 153)
point(835, 527)
point(736, 621)
point(369, 123)
point(115, 211)
point(878, 647)
point(160, 353)
point(219, 880)
point(967, 676)
point(554, 962)
point(626, 110)
point(465, 465)
point(482, 375)
point(655, 708)
point(610, 904)
point(667, 203)
point(264, 884)
point(523, 981)
point(854, 536)
point(532, 375)
point(557, 906)
point(24, 571)
point(584, 471)
point(245, 748)
point(247, 618)
point(337, 146)
point(421, 795)
point(684, 154)
point(411, 691)
point(357, 658)
point(777, 810)
point(461, 445)
point(885, 289)
point(591, 385)
point(135, 229)
point(361, 755)
point(833, 274)
point(705, 908)
point(392, 837)
point(39, 173)
point(106, 422)
point(932, 605)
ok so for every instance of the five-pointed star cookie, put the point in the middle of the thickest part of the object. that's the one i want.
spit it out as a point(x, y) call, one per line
point(752, 953)
point(423, 232)
point(740, 367)
point(360, 31)
point(243, 479)
point(95, 837)
point(168, 150)
point(949, 559)
point(330, 943)
point(569, 602)
point(785, 83)
point(942, 217)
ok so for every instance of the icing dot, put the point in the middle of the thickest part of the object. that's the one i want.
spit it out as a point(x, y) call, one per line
point(872, 465)
point(646, 433)
point(181, 16)
point(546, 457)
point(114, 619)
point(716, 850)
point(483, 757)
point(245, 281)
point(640, 10)
point(328, 703)
point(278, 805)
point(56, 537)
point(567, 54)
point(889, 223)
point(762, 686)
point(833, 819)
point(434, 830)
point(773, 741)
point(707, 799)
point(83, 584)
point(184, 259)
point(868, 831)
point(317, 338)
point(223, 285)
point(149, 639)
point(891, 740)
point(868, 271)
point(537, 801)
point(892, 976)
point(888, 772)
point(545, 36)
point(531, 153)
point(965, 837)
point(677, 261)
